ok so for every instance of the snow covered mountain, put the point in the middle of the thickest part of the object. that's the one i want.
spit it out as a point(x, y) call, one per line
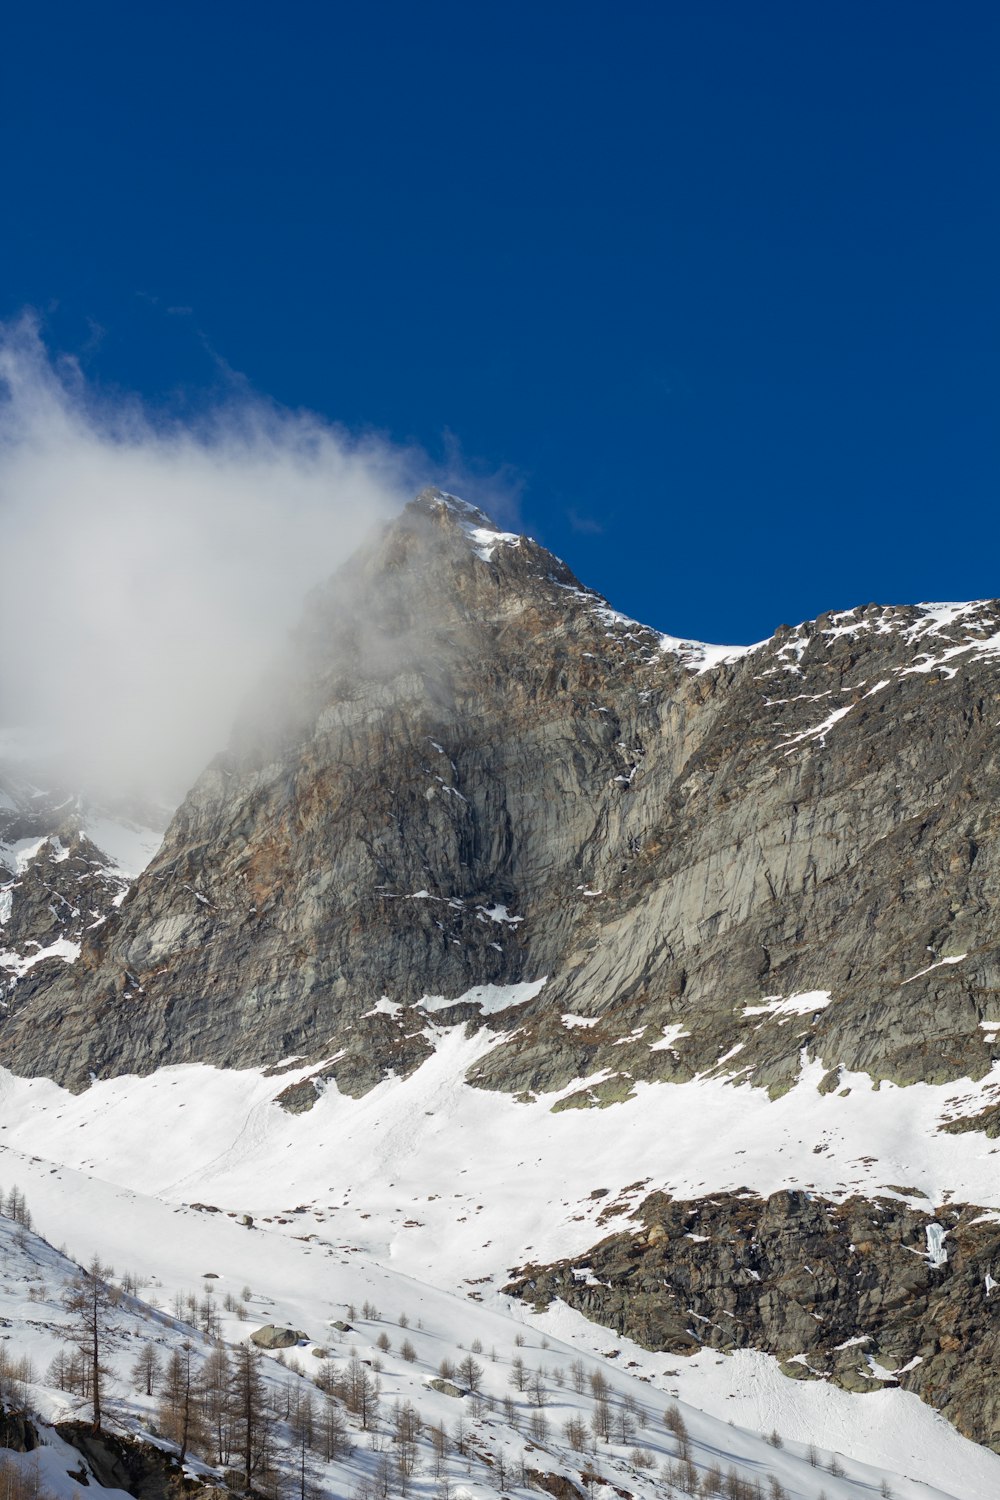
point(66, 861)
point(560, 967)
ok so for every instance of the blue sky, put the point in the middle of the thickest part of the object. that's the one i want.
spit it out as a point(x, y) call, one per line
point(710, 290)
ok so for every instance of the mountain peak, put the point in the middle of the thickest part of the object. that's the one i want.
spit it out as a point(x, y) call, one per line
point(436, 502)
point(526, 559)
point(452, 511)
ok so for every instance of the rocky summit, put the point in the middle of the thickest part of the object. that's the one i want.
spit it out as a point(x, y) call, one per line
point(470, 794)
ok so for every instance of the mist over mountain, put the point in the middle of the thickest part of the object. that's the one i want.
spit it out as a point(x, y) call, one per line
point(154, 564)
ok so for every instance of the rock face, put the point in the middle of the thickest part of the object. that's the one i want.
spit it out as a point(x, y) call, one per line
point(129, 1464)
point(469, 771)
point(423, 768)
point(864, 1293)
point(56, 885)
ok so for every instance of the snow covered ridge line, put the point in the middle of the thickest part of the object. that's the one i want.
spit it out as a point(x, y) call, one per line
point(127, 846)
point(696, 656)
point(486, 538)
point(973, 626)
point(944, 640)
point(891, 619)
point(935, 619)
point(17, 856)
point(481, 531)
point(70, 877)
point(700, 657)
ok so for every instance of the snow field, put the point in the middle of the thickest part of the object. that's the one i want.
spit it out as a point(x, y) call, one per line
point(421, 1196)
point(445, 1181)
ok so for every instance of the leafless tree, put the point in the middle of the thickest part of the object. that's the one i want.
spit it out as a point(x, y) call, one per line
point(362, 1392)
point(576, 1434)
point(248, 1408)
point(216, 1400)
point(470, 1372)
point(600, 1420)
point(538, 1427)
point(15, 1208)
point(92, 1303)
point(147, 1369)
point(180, 1414)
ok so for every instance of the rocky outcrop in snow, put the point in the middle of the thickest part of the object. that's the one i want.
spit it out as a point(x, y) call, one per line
point(859, 1292)
point(56, 884)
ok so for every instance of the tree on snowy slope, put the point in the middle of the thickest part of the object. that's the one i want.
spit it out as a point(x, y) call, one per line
point(217, 1403)
point(15, 1207)
point(92, 1302)
point(147, 1368)
point(251, 1426)
point(180, 1412)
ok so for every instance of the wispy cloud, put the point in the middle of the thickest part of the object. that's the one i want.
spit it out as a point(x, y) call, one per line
point(149, 567)
point(585, 525)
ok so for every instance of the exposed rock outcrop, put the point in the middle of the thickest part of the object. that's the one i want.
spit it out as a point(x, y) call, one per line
point(272, 1337)
point(129, 1464)
point(864, 1293)
point(56, 885)
point(469, 771)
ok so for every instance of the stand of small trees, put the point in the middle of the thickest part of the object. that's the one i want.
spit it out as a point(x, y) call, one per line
point(16, 1375)
point(13, 1206)
point(221, 1408)
point(21, 1480)
point(217, 1404)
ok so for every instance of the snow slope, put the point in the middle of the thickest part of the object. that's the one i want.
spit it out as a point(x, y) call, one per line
point(310, 1284)
point(383, 1199)
point(196, 1132)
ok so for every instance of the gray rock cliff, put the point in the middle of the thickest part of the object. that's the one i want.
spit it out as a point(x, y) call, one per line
point(467, 770)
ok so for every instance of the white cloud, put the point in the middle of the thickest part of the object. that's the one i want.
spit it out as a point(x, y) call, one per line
point(150, 568)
